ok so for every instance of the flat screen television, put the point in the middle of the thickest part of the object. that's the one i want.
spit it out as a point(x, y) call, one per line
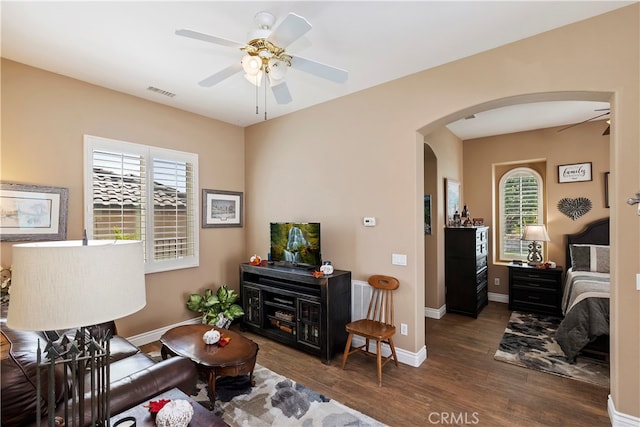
point(295, 244)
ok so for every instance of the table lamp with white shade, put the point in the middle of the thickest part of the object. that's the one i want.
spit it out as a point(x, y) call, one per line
point(63, 285)
point(535, 233)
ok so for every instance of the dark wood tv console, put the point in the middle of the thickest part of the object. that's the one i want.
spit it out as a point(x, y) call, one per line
point(291, 306)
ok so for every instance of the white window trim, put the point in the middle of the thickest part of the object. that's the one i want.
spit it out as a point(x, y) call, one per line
point(541, 203)
point(149, 152)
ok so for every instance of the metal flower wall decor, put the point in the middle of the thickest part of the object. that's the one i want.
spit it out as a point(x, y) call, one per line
point(574, 208)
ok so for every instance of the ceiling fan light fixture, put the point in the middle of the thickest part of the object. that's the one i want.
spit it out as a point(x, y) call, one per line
point(277, 69)
point(255, 79)
point(251, 65)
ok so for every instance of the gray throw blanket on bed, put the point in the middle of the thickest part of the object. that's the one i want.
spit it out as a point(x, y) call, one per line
point(587, 320)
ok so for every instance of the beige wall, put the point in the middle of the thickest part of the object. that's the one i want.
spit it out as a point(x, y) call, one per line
point(356, 156)
point(580, 144)
point(431, 272)
point(448, 151)
point(44, 118)
point(360, 155)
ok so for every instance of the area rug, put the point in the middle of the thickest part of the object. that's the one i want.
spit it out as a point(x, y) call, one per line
point(528, 341)
point(275, 400)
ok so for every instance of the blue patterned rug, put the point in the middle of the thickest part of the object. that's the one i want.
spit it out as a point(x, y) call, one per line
point(275, 401)
point(528, 341)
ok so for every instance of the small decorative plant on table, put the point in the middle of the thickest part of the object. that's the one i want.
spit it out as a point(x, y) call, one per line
point(218, 309)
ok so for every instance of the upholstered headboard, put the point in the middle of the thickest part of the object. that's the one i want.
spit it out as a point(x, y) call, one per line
point(595, 233)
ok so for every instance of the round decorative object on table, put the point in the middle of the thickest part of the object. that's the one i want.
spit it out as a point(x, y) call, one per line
point(326, 267)
point(176, 413)
point(211, 337)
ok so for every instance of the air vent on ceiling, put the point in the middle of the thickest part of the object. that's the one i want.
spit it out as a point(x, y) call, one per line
point(161, 92)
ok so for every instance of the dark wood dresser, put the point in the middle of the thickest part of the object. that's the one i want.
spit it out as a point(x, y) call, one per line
point(466, 250)
point(537, 290)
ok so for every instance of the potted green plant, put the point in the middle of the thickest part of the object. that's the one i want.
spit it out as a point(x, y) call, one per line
point(218, 309)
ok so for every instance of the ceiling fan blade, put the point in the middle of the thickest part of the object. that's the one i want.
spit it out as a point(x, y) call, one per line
point(209, 38)
point(281, 93)
point(584, 121)
point(221, 75)
point(289, 30)
point(321, 70)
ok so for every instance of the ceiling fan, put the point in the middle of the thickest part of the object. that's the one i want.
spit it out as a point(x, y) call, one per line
point(607, 111)
point(265, 56)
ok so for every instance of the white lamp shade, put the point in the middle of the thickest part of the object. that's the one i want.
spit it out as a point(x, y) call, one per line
point(277, 70)
point(251, 64)
point(536, 232)
point(61, 285)
point(256, 79)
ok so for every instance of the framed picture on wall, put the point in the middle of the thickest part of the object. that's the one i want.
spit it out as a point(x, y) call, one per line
point(427, 214)
point(576, 172)
point(606, 189)
point(221, 208)
point(32, 212)
point(452, 201)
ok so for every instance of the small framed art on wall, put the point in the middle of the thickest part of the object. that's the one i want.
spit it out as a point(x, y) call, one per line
point(221, 208)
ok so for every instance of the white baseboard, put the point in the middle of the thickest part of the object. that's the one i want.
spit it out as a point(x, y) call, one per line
point(151, 336)
point(496, 297)
point(618, 419)
point(404, 356)
point(437, 313)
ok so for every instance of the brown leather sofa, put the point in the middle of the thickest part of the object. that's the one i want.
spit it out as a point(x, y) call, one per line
point(134, 376)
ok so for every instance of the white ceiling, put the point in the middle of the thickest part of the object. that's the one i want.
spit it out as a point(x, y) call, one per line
point(130, 46)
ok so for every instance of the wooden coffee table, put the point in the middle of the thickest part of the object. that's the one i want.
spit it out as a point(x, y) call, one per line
point(237, 358)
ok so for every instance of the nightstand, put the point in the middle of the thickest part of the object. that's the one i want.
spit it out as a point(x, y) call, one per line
point(537, 290)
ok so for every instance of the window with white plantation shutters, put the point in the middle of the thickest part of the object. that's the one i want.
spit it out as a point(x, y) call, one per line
point(143, 193)
point(521, 203)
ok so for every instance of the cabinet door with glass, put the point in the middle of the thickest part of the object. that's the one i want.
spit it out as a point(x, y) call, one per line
point(309, 322)
point(252, 301)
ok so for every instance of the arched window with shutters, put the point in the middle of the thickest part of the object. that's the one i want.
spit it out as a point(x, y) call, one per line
point(521, 203)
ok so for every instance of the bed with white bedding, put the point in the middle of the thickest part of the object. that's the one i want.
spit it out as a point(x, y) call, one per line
point(585, 302)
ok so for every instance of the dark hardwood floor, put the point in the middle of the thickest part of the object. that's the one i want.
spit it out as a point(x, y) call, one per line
point(459, 384)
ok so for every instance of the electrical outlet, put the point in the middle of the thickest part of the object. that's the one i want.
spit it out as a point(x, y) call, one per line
point(496, 281)
point(404, 329)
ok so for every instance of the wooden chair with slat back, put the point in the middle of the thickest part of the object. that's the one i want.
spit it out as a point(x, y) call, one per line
point(378, 324)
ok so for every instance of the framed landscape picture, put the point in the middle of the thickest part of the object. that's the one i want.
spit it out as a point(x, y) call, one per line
point(32, 212)
point(221, 208)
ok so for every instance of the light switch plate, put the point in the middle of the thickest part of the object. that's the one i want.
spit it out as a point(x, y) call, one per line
point(398, 259)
